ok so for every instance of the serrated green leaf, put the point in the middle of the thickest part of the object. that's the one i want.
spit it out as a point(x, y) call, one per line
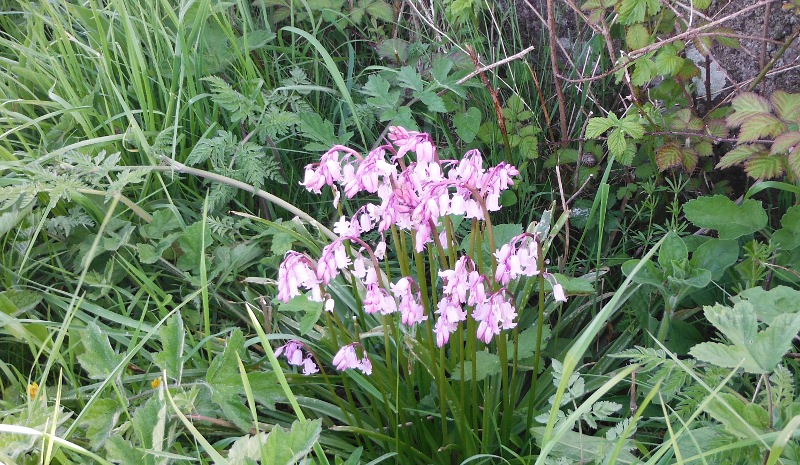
point(433, 102)
point(225, 382)
point(632, 11)
point(667, 61)
point(527, 342)
point(721, 213)
point(760, 126)
point(409, 78)
point(99, 418)
point(768, 305)
point(266, 388)
point(637, 36)
point(597, 127)
point(149, 422)
point(757, 352)
point(194, 241)
point(467, 124)
point(740, 154)
point(287, 447)
point(99, 359)
point(172, 344)
point(13, 302)
point(787, 142)
point(575, 447)
point(748, 418)
point(486, 364)
point(381, 10)
point(745, 106)
point(787, 106)
point(630, 125)
point(764, 166)
point(669, 156)
point(616, 143)
point(643, 72)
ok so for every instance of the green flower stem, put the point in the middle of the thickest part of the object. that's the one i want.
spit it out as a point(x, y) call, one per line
point(537, 354)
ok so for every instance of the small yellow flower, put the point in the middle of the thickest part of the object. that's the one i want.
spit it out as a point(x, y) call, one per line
point(155, 383)
point(33, 389)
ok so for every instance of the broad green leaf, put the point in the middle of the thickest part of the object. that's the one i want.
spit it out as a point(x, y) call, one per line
point(768, 305)
point(630, 125)
point(527, 342)
point(668, 63)
point(745, 106)
point(715, 255)
point(467, 124)
point(281, 243)
point(788, 236)
point(786, 142)
point(740, 154)
point(287, 447)
point(648, 274)
point(225, 382)
point(194, 241)
point(669, 156)
point(164, 221)
point(381, 10)
point(409, 78)
point(764, 166)
point(266, 389)
point(99, 418)
point(149, 422)
point(616, 143)
point(632, 11)
point(300, 303)
point(486, 364)
point(691, 278)
point(756, 417)
point(721, 213)
point(672, 250)
point(13, 302)
point(760, 126)
point(643, 71)
point(597, 127)
point(433, 102)
point(310, 318)
point(393, 49)
point(99, 359)
point(787, 106)
point(172, 342)
point(256, 39)
point(637, 36)
point(122, 451)
point(757, 352)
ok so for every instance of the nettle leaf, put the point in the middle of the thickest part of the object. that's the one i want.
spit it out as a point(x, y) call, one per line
point(768, 305)
point(760, 126)
point(99, 359)
point(787, 106)
point(637, 36)
point(740, 154)
point(754, 351)
point(172, 343)
point(788, 236)
point(745, 106)
point(721, 213)
point(764, 166)
point(486, 364)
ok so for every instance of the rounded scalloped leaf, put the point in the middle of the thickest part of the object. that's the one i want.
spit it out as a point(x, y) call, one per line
point(765, 166)
point(746, 105)
point(724, 215)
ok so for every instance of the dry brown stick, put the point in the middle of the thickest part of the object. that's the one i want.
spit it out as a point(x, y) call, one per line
point(762, 58)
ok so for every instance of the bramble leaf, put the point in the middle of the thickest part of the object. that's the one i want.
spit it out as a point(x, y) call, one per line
point(786, 142)
point(597, 127)
point(740, 154)
point(637, 36)
point(759, 126)
point(616, 143)
point(787, 106)
point(764, 166)
point(669, 156)
point(721, 213)
point(746, 105)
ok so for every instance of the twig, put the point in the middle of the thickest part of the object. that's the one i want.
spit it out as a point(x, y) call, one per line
point(578, 192)
point(762, 58)
point(774, 59)
point(494, 65)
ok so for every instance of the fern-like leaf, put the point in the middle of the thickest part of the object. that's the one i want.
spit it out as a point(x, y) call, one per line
point(239, 106)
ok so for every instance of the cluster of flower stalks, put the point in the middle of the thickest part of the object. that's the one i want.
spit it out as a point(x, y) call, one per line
point(418, 195)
